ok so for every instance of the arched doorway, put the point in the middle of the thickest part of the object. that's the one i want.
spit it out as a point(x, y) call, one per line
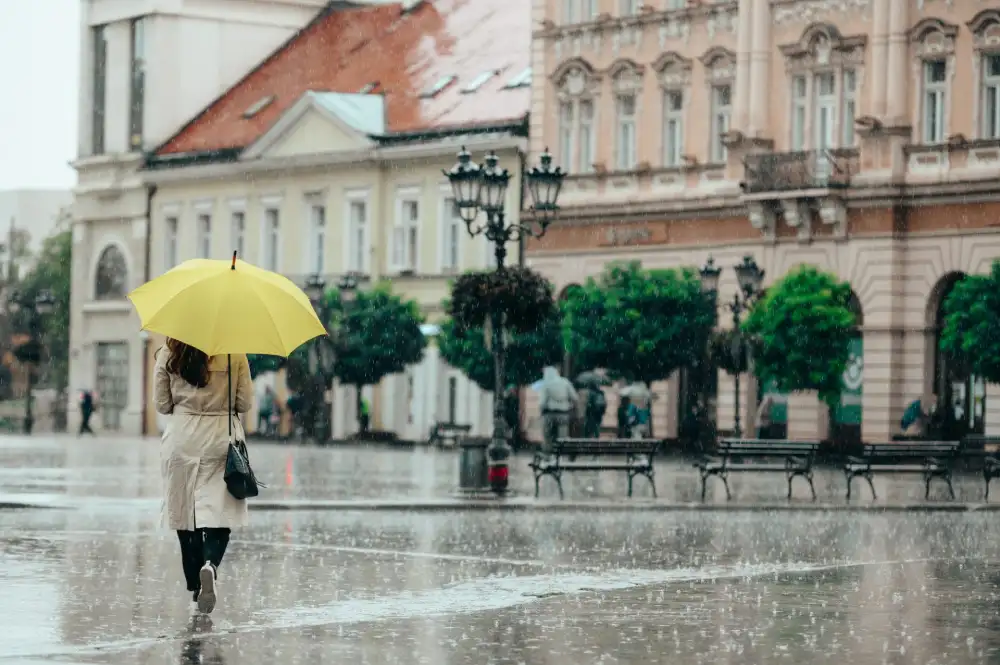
point(568, 365)
point(959, 396)
point(846, 415)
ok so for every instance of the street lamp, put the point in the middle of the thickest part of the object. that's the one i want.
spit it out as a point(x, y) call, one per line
point(323, 350)
point(749, 278)
point(30, 353)
point(482, 188)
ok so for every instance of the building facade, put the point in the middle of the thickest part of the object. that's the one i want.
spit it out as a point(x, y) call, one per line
point(861, 136)
point(338, 169)
point(146, 68)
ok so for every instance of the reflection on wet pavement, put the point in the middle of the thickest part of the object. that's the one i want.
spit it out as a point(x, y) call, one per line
point(457, 588)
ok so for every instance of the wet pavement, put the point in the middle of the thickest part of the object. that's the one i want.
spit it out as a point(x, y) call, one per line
point(464, 587)
point(84, 472)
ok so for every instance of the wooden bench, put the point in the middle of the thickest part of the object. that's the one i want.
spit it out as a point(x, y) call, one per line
point(635, 458)
point(447, 432)
point(984, 448)
point(931, 459)
point(758, 456)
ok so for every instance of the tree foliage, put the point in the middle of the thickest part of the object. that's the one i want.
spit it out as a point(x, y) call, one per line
point(262, 364)
point(522, 295)
point(377, 335)
point(528, 353)
point(640, 325)
point(52, 272)
point(971, 331)
point(800, 333)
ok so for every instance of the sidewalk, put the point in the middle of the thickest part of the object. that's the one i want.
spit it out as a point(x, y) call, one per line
point(69, 473)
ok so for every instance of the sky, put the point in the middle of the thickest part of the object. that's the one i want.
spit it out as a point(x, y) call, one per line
point(39, 66)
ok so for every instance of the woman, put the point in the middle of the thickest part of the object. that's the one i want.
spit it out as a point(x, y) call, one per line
point(192, 388)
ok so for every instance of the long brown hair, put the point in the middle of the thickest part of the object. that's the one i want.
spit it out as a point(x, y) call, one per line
point(188, 363)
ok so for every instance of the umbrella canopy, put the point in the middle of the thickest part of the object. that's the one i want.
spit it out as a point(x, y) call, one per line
point(591, 380)
point(224, 307)
point(912, 414)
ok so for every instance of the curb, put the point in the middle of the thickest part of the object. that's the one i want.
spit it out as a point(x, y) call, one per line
point(529, 505)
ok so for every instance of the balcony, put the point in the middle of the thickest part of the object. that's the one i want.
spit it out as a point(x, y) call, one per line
point(775, 172)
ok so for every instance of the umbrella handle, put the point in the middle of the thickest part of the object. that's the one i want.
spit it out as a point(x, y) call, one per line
point(229, 380)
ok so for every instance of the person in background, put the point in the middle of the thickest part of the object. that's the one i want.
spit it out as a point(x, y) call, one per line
point(267, 404)
point(86, 411)
point(365, 415)
point(193, 390)
point(764, 417)
point(624, 428)
point(638, 417)
point(557, 401)
point(597, 405)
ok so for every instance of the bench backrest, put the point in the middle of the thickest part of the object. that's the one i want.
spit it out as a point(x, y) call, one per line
point(766, 448)
point(571, 446)
point(911, 449)
point(452, 427)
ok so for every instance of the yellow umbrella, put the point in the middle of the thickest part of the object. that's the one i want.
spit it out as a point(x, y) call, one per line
point(225, 307)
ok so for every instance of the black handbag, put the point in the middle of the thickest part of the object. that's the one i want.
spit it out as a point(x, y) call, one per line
point(240, 480)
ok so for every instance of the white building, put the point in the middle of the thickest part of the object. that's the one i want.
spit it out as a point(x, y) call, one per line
point(147, 66)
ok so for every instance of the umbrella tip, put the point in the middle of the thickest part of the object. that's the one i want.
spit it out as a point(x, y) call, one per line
point(234, 260)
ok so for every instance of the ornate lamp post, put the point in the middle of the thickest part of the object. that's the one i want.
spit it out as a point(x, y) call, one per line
point(323, 350)
point(749, 278)
point(483, 188)
point(31, 351)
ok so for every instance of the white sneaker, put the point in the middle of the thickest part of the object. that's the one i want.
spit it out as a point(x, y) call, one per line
point(209, 589)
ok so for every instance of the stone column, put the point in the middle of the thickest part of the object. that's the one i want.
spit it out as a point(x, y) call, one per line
point(992, 409)
point(897, 103)
point(760, 58)
point(807, 419)
point(744, 36)
point(880, 46)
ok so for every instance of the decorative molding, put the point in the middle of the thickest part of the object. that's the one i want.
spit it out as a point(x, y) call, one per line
point(720, 63)
point(763, 217)
point(673, 70)
point(798, 215)
point(626, 76)
point(575, 78)
point(809, 11)
point(933, 38)
point(985, 28)
point(833, 212)
point(822, 45)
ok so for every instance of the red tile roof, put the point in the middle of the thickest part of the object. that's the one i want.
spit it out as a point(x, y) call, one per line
point(405, 52)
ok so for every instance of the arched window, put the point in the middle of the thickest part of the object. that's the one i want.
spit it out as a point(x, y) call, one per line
point(111, 276)
point(960, 395)
point(846, 416)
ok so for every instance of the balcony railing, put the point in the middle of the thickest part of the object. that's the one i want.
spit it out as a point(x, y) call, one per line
point(793, 171)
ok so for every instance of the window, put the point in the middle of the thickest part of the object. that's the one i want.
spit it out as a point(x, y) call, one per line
point(238, 233)
point(170, 242)
point(521, 80)
point(438, 86)
point(935, 77)
point(625, 133)
point(272, 238)
point(138, 81)
point(258, 106)
point(357, 244)
point(317, 237)
point(576, 134)
point(721, 109)
point(800, 103)
point(204, 235)
point(850, 109)
point(824, 111)
point(451, 235)
point(98, 90)
point(576, 11)
point(404, 236)
point(673, 127)
point(991, 97)
point(112, 274)
point(628, 7)
point(478, 82)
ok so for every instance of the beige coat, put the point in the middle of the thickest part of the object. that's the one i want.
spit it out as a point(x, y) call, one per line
point(196, 441)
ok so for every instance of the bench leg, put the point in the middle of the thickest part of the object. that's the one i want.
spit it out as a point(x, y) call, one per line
point(986, 495)
point(871, 485)
point(704, 482)
point(652, 482)
point(558, 477)
point(812, 488)
point(850, 477)
point(725, 483)
point(538, 478)
point(630, 477)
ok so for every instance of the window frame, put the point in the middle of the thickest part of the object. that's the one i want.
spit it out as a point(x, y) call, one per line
point(626, 132)
point(271, 236)
point(449, 218)
point(405, 244)
point(238, 232)
point(98, 89)
point(672, 147)
point(986, 83)
point(137, 82)
point(718, 153)
point(939, 90)
point(171, 227)
point(357, 248)
point(203, 233)
point(317, 225)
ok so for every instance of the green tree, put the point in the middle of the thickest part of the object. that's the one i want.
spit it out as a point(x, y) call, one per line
point(800, 332)
point(527, 353)
point(261, 364)
point(52, 272)
point(971, 331)
point(640, 325)
point(377, 334)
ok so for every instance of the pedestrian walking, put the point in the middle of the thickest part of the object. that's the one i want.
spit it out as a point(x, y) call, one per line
point(764, 417)
point(267, 404)
point(86, 412)
point(597, 405)
point(192, 388)
point(365, 420)
point(558, 399)
point(624, 427)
